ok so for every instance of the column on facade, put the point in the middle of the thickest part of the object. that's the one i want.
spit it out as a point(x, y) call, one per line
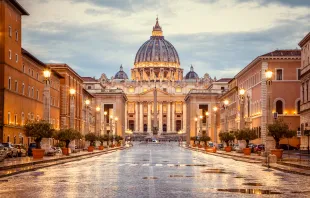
point(149, 117)
point(141, 117)
point(184, 117)
point(173, 117)
point(136, 117)
point(126, 113)
point(168, 116)
point(264, 103)
point(160, 127)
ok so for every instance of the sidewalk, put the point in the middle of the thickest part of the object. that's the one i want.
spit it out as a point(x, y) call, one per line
point(289, 165)
point(13, 166)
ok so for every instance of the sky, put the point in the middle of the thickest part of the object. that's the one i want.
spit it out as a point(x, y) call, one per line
point(218, 37)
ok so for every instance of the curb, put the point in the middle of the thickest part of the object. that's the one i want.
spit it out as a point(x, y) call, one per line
point(31, 166)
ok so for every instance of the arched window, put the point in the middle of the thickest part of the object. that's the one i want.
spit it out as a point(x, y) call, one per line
point(279, 107)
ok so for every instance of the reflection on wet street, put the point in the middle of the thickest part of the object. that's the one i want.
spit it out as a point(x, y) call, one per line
point(155, 170)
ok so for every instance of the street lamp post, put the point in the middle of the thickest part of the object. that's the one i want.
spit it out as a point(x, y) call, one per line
point(97, 119)
point(87, 102)
point(46, 95)
point(200, 125)
point(268, 74)
point(215, 128)
point(196, 119)
point(105, 122)
point(226, 102)
point(207, 127)
point(241, 97)
point(72, 107)
point(115, 133)
point(110, 122)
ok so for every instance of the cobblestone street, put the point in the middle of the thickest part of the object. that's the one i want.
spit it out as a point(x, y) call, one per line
point(155, 170)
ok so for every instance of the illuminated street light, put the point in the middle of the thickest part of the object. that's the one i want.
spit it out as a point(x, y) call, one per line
point(87, 102)
point(268, 74)
point(226, 102)
point(241, 92)
point(97, 108)
point(72, 91)
point(47, 73)
point(214, 109)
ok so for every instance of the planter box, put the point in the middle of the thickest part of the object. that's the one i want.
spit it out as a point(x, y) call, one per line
point(228, 148)
point(38, 153)
point(211, 149)
point(90, 149)
point(101, 148)
point(277, 152)
point(247, 151)
point(65, 151)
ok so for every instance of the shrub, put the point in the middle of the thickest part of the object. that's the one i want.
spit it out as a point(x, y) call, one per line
point(91, 137)
point(38, 130)
point(227, 137)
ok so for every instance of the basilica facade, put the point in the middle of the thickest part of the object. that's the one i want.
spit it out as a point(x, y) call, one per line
point(157, 67)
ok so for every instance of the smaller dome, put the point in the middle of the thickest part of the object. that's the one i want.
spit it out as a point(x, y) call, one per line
point(191, 74)
point(121, 74)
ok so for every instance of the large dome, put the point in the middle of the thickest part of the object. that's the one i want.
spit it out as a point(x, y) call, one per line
point(157, 52)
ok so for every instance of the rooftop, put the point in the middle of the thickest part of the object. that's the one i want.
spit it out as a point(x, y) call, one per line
point(224, 80)
point(19, 7)
point(304, 40)
point(289, 52)
point(89, 79)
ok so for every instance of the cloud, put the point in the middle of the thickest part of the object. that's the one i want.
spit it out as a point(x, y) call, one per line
point(218, 37)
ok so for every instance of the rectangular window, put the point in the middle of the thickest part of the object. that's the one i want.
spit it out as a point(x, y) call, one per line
point(298, 74)
point(16, 35)
point(23, 119)
point(10, 31)
point(16, 86)
point(29, 91)
point(32, 73)
point(23, 89)
point(9, 117)
point(10, 54)
point(16, 57)
point(23, 68)
point(15, 119)
point(32, 92)
point(37, 76)
point(9, 85)
point(37, 94)
point(279, 74)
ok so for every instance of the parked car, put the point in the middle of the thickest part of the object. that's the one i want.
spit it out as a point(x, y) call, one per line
point(31, 146)
point(220, 146)
point(3, 153)
point(259, 147)
point(21, 150)
point(287, 147)
point(50, 151)
point(58, 150)
point(11, 151)
point(210, 144)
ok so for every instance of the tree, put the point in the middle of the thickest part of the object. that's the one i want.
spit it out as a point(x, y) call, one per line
point(103, 138)
point(205, 139)
point(67, 135)
point(91, 137)
point(226, 137)
point(246, 134)
point(38, 130)
point(194, 138)
point(278, 130)
point(118, 138)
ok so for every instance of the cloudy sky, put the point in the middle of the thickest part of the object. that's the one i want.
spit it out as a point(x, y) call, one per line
point(218, 37)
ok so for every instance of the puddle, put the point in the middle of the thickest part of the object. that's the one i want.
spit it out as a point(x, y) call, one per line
point(220, 171)
point(63, 181)
point(239, 177)
point(145, 160)
point(196, 165)
point(191, 176)
point(252, 184)
point(165, 161)
point(4, 180)
point(150, 177)
point(176, 176)
point(250, 191)
point(300, 192)
point(37, 173)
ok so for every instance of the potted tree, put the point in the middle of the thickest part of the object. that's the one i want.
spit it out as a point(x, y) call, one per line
point(91, 137)
point(38, 130)
point(227, 137)
point(247, 135)
point(118, 140)
point(278, 130)
point(194, 141)
point(111, 138)
point(101, 139)
point(205, 139)
point(67, 135)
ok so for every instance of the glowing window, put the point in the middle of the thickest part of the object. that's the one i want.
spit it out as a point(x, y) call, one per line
point(131, 89)
point(178, 90)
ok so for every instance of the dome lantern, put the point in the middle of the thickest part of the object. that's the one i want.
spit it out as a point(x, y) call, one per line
point(121, 74)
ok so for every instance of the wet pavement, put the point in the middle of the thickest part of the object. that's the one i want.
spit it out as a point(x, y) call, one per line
point(155, 170)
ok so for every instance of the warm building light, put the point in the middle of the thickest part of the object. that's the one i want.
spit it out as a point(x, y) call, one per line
point(207, 113)
point(294, 112)
point(285, 112)
point(226, 102)
point(105, 113)
point(242, 92)
point(111, 116)
point(116, 118)
point(72, 91)
point(98, 109)
point(201, 117)
point(196, 119)
point(87, 102)
point(268, 74)
point(46, 73)
point(214, 109)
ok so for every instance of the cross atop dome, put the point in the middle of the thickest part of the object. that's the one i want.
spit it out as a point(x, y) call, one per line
point(157, 31)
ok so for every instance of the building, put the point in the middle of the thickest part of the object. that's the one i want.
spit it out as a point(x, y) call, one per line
point(22, 81)
point(71, 97)
point(304, 89)
point(285, 65)
point(157, 70)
